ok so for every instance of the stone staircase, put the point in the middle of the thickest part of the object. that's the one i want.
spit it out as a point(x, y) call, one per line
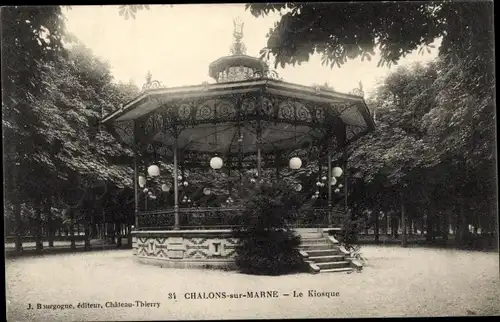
point(323, 254)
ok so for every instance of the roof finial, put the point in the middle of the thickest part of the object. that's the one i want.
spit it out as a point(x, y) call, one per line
point(238, 48)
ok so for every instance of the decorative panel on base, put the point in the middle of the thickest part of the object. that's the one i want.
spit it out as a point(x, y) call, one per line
point(186, 248)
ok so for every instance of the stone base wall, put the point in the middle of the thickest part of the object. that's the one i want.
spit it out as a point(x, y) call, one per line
point(185, 248)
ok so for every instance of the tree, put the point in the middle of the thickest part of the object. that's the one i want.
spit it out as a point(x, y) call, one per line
point(344, 31)
point(53, 100)
point(432, 143)
point(30, 36)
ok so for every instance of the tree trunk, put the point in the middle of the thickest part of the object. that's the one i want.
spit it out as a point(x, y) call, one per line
point(72, 233)
point(47, 205)
point(394, 227)
point(430, 218)
point(403, 221)
point(38, 226)
point(19, 227)
point(86, 224)
point(462, 225)
point(446, 230)
point(118, 234)
point(376, 228)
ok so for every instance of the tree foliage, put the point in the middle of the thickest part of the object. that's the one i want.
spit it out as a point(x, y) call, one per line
point(345, 31)
point(267, 245)
point(433, 143)
point(54, 96)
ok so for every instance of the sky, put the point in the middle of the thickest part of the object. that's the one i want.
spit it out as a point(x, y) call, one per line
point(177, 43)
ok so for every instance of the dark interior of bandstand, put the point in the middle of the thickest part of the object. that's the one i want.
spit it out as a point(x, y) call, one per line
point(246, 127)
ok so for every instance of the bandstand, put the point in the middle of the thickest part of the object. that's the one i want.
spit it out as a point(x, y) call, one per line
point(247, 121)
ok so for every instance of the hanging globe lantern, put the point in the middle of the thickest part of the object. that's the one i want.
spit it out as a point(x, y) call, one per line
point(145, 190)
point(206, 191)
point(317, 192)
point(185, 183)
point(216, 163)
point(337, 172)
point(189, 200)
point(142, 181)
point(318, 184)
point(337, 190)
point(165, 188)
point(323, 178)
point(179, 177)
point(150, 193)
point(314, 196)
point(322, 184)
point(298, 187)
point(340, 186)
point(334, 181)
point(153, 170)
point(295, 163)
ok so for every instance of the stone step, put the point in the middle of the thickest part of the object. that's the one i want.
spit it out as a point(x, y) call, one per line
point(327, 258)
point(322, 252)
point(307, 247)
point(314, 241)
point(307, 230)
point(315, 236)
point(329, 265)
point(334, 270)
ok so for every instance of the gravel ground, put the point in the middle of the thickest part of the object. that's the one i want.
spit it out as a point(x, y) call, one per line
point(395, 282)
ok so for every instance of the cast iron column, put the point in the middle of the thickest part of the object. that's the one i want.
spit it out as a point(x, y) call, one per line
point(136, 178)
point(345, 169)
point(176, 187)
point(329, 183)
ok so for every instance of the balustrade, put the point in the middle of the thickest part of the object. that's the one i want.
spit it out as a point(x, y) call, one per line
point(228, 217)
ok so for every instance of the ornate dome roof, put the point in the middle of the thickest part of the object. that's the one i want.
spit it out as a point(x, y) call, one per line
point(238, 66)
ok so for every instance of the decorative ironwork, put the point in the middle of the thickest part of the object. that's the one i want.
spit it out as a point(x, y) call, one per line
point(303, 113)
point(225, 109)
point(359, 90)
point(238, 48)
point(320, 114)
point(229, 217)
point(248, 105)
point(267, 107)
point(353, 131)
point(190, 218)
point(184, 111)
point(151, 84)
point(286, 110)
point(206, 111)
point(267, 73)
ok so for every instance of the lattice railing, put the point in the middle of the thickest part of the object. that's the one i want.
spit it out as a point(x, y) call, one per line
point(190, 218)
point(220, 218)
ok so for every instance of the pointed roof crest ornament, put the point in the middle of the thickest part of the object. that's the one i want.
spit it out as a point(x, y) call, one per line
point(238, 48)
point(359, 90)
point(150, 84)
